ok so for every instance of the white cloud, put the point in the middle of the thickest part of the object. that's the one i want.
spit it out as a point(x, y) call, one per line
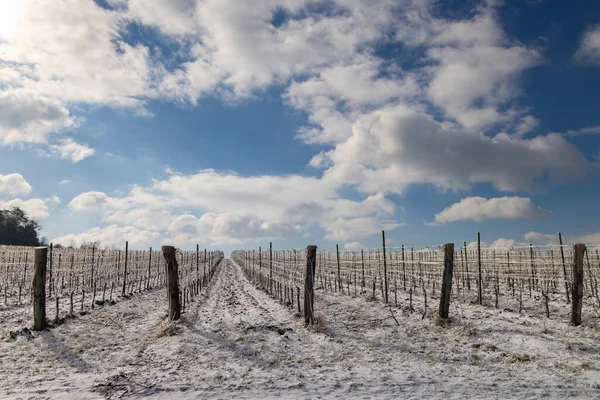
point(396, 146)
point(71, 150)
point(502, 243)
point(479, 209)
point(144, 218)
point(26, 116)
point(475, 70)
point(591, 239)
point(65, 181)
point(225, 207)
point(89, 201)
point(34, 208)
point(541, 238)
point(93, 66)
point(111, 235)
point(353, 246)
point(174, 17)
point(588, 130)
point(589, 48)
point(14, 184)
point(225, 228)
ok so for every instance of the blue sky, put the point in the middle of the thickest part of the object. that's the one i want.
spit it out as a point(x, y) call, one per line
point(231, 124)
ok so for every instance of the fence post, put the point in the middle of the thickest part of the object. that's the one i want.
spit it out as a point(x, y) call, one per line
point(172, 282)
point(125, 269)
point(447, 280)
point(339, 276)
point(39, 288)
point(50, 270)
point(311, 264)
point(148, 284)
point(271, 268)
point(577, 286)
point(479, 277)
point(562, 256)
point(385, 276)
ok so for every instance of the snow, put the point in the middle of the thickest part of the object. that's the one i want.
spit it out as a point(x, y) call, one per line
point(235, 341)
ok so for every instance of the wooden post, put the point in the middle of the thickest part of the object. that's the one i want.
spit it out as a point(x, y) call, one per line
point(125, 270)
point(577, 286)
point(362, 263)
point(447, 280)
point(339, 277)
point(479, 277)
point(385, 277)
point(533, 278)
point(92, 271)
point(562, 256)
point(311, 264)
point(260, 278)
point(172, 282)
point(467, 267)
point(39, 289)
point(149, 266)
point(50, 270)
point(197, 262)
point(271, 268)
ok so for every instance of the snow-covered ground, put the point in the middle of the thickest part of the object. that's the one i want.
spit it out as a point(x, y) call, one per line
point(237, 342)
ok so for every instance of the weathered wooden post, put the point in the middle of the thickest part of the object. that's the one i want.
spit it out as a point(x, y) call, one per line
point(39, 288)
point(311, 265)
point(447, 280)
point(271, 268)
point(339, 276)
point(197, 264)
point(172, 282)
point(385, 276)
point(125, 270)
point(148, 284)
point(50, 269)
point(479, 277)
point(577, 286)
point(467, 266)
point(562, 256)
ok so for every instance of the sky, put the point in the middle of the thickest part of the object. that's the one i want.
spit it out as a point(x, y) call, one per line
point(230, 124)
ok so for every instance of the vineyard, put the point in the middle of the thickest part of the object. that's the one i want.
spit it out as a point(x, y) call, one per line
point(301, 323)
point(83, 279)
point(537, 280)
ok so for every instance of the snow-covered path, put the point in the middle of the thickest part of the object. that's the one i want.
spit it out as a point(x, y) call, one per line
point(240, 343)
point(235, 341)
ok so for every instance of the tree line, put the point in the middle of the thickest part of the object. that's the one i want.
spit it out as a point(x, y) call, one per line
point(17, 229)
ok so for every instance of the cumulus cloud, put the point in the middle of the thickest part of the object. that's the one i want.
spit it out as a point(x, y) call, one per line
point(591, 239)
point(397, 146)
point(71, 150)
point(353, 246)
point(26, 116)
point(89, 201)
point(475, 69)
point(480, 208)
point(14, 184)
point(226, 207)
point(589, 47)
point(112, 235)
point(541, 238)
point(34, 208)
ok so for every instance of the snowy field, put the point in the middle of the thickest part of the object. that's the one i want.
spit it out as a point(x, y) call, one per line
point(235, 341)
